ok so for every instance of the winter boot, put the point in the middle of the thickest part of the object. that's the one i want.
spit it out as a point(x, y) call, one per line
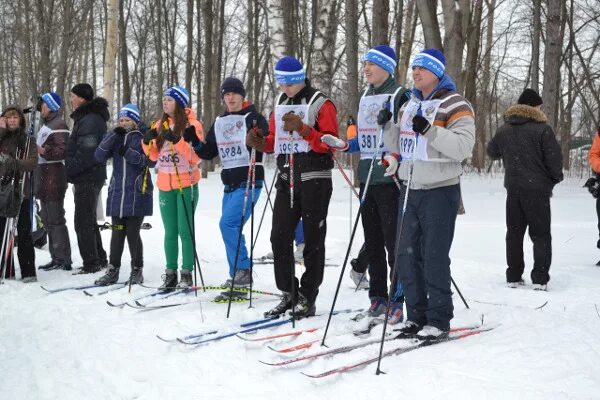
point(408, 329)
point(431, 333)
point(29, 279)
point(540, 287)
point(185, 280)
point(111, 276)
point(48, 267)
point(304, 308)
point(87, 269)
point(514, 285)
point(169, 280)
point(136, 277)
point(360, 279)
point(378, 306)
point(242, 278)
point(284, 305)
point(396, 313)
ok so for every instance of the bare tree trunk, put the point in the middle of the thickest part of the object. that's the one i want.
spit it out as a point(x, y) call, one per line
point(471, 77)
point(322, 72)
point(381, 12)
point(431, 29)
point(189, 46)
point(399, 16)
point(351, 24)
point(456, 18)
point(552, 62)
point(199, 54)
point(535, 45)
point(111, 50)
point(409, 34)
point(276, 30)
point(124, 53)
point(482, 124)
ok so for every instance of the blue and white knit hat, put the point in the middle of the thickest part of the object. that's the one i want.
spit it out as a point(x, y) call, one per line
point(289, 71)
point(179, 94)
point(131, 111)
point(52, 100)
point(432, 60)
point(382, 55)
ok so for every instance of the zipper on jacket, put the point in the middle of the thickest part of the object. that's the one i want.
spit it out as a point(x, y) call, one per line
point(124, 179)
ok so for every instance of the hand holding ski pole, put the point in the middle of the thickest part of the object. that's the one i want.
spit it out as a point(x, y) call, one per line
point(390, 162)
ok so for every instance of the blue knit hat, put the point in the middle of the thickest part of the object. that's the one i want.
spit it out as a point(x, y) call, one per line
point(432, 60)
point(131, 111)
point(289, 70)
point(382, 55)
point(52, 100)
point(179, 94)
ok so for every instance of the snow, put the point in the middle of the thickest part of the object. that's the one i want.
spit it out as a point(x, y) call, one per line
point(71, 346)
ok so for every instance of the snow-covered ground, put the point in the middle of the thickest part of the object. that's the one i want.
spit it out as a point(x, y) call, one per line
point(71, 346)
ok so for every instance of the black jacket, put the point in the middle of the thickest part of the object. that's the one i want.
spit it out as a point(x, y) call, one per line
point(88, 131)
point(235, 177)
point(529, 150)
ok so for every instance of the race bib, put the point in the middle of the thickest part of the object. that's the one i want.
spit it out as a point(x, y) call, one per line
point(168, 160)
point(368, 129)
point(284, 142)
point(230, 132)
point(411, 144)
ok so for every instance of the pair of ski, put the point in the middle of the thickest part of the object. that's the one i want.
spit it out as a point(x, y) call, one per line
point(270, 261)
point(454, 334)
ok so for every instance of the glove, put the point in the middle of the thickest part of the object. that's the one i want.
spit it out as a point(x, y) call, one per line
point(391, 163)
point(170, 136)
point(120, 131)
point(420, 124)
point(334, 142)
point(149, 136)
point(7, 164)
point(593, 186)
point(384, 116)
point(189, 135)
point(292, 122)
point(255, 139)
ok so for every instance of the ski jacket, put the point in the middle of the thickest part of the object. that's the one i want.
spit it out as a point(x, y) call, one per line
point(13, 141)
point(529, 150)
point(448, 142)
point(51, 175)
point(594, 154)
point(128, 196)
point(88, 130)
point(234, 178)
point(322, 118)
point(390, 86)
point(177, 165)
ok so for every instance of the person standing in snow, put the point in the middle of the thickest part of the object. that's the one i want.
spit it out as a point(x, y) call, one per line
point(18, 155)
point(302, 115)
point(593, 184)
point(227, 140)
point(177, 180)
point(129, 194)
point(51, 182)
point(436, 133)
point(87, 175)
point(380, 206)
point(533, 161)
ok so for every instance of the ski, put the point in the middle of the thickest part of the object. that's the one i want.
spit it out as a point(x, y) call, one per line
point(511, 305)
point(196, 335)
point(82, 287)
point(112, 288)
point(397, 351)
point(151, 294)
point(297, 347)
point(223, 288)
point(230, 334)
point(157, 307)
point(281, 335)
point(107, 225)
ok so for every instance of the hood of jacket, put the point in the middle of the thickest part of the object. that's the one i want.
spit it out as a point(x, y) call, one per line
point(520, 114)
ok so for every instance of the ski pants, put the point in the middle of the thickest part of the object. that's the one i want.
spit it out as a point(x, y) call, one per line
point(231, 216)
point(89, 240)
point(177, 214)
point(53, 216)
point(311, 203)
point(523, 211)
point(25, 250)
point(424, 246)
point(379, 216)
point(126, 228)
point(361, 262)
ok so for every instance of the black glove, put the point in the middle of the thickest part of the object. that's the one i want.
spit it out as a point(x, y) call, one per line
point(149, 136)
point(420, 124)
point(120, 131)
point(593, 186)
point(384, 116)
point(170, 136)
point(189, 135)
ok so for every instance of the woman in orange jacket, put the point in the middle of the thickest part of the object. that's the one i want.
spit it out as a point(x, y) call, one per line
point(593, 184)
point(177, 181)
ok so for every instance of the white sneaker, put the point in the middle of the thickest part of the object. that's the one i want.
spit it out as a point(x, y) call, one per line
point(514, 285)
point(538, 286)
point(299, 253)
point(429, 332)
point(359, 279)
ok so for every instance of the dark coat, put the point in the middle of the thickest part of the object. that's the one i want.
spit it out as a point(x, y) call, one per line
point(88, 131)
point(529, 150)
point(51, 177)
point(125, 197)
point(233, 178)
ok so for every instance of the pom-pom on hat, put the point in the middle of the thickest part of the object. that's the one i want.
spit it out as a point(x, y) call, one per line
point(130, 111)
point(179, 94)
point(289, 71)
point(382, 55)
point(432, 60)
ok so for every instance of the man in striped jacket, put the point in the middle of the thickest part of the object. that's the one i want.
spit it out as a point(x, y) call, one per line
point(436, 132)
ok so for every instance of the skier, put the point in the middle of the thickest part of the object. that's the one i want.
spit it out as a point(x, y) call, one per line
point(51, 182)
point(87, 175)
point(302, 115)
point(593, 184)
point(380, 206)
point(177, 180)
point(533, 162)
point(437, 132)
point(129, 194)
point(227, 139)
point(18, 156)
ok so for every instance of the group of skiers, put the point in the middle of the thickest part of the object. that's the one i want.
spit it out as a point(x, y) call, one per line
point(411, 142)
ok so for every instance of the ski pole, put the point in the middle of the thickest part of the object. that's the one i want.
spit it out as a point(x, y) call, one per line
point(350, 184)
point(360, 206)
point(253, 163)
point(193, 217)
point(269, 190)
point(291, 158)
point(459, 293)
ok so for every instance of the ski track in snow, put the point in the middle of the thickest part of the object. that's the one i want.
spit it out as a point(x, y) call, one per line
point(71, 346)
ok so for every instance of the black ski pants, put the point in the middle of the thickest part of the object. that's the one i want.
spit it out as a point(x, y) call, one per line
point(25, 250)
point(523, 211)
point(311, 203)
point(53, 216)
point(86, 223)
point(126, 228)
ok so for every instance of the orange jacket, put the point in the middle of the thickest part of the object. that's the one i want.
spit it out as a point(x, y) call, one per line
point(594, 153)
point(179, 159)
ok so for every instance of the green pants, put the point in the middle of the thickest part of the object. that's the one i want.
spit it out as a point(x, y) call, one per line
point(173, 209)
